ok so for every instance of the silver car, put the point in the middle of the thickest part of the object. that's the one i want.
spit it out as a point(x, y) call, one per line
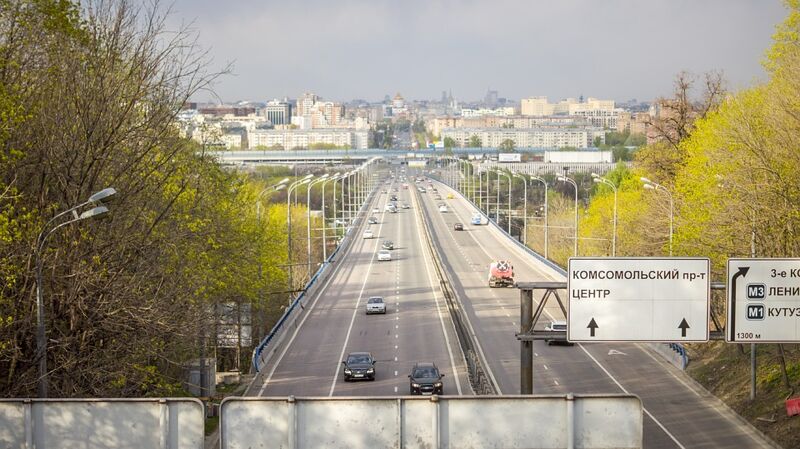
point(375, 304)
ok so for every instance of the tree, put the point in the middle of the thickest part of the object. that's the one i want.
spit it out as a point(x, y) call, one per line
point(507, 146)
point(449, 142)
point(475, 141)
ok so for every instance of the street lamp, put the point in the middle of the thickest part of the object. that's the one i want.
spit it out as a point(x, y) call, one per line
point(333, 178)
point(41, 240)
point(564, 178)
point(293, 186)
point(322, 178)
point(546, 230)
point(272, 188)
point(648, 184)
point(524, 209)
point(499, 173)
point(598, 179)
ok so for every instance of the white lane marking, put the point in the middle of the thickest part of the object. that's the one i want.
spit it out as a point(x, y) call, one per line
point(545, 367)
point(356, 309)
point(397, 326)
point(397, 318)
point(668, 371)
point(555, 381)
point(675, 440)
point(536, 354)
point(395, 389)
point(526, 260)
point(395, 373)
point(395, 346)
point(429, 263)
point(395, 358)
point(396, 336)
point(300, 325)
point(615, 352)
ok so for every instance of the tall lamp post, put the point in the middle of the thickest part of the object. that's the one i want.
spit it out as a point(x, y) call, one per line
point(291, 187)
point(564, 178)
point(333, 178)
point(272, 188)
point(524, 208)
point(546, 227)
point(499, 173)
point(322, 178)
point(600, 180)
point(648, 184)
point(41, 244)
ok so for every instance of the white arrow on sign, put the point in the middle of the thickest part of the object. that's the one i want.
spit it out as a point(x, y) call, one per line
point(615, 352)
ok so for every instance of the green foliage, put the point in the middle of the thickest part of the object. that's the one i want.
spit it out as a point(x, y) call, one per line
point(449, 142)
point(475, 142)
point(507, 146)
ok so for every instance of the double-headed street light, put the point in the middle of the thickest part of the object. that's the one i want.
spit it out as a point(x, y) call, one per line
point(272, 188)
point(564, 178)
point(333, 178)
point(41, 241)
point(499, 173)
point(524, 208)
point(648, 184)
point(322, 178)
point(292, 186)
point(600, 180)
point(546, 231)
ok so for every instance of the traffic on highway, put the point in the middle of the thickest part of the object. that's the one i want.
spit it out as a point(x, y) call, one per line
point(348, 335)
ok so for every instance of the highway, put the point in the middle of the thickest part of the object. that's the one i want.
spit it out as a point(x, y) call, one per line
point(678, 413)
point(416, 327)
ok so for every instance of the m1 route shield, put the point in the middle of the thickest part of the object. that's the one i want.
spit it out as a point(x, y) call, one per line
point(763, 301)
point(638, 299)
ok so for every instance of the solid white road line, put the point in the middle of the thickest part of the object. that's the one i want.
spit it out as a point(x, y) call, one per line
point(356, 308)
point(300, 325)
point(429, 265)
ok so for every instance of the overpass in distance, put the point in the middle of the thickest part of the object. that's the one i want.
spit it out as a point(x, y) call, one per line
point(417, 328)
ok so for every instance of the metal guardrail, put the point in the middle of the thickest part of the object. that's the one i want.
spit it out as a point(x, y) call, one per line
point(480, 381)
point(259, 354)
point(162, 423)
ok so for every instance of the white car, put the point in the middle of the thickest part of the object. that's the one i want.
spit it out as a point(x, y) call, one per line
point(384, 255)
point(368, 234)
point(375, 304)
point(442, 208)
point(376, 210)
point(557, 326)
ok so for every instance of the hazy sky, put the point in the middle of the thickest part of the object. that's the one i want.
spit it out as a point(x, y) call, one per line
point(610, 49)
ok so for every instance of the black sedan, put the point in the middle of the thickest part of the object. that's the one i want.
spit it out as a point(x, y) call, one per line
point(425, 378)
point(359, 365)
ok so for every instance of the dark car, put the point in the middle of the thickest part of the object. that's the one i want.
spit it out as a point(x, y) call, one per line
point(425, 378)
point(393, 197)
point(458, 227)
point(359, 365)
point(387, 244)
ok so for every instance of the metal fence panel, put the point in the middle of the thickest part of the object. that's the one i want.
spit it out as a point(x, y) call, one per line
point(601, 421)
point(102, 423)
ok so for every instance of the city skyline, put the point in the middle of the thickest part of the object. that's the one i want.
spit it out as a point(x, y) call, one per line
point(619, 50)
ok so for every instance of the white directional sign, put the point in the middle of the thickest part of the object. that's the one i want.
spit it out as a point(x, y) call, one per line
point(763, 301)
point(638, 299)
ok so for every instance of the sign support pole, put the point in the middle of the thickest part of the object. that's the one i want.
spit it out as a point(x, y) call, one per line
point(526, 347)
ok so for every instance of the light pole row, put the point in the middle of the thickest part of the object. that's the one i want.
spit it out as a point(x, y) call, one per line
point(561, 178)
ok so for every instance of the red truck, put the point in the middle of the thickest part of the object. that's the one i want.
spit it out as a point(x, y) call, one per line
point(501, 274)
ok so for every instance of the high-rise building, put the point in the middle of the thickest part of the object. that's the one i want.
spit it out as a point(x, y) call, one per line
point(278, 112)
point(305, 103)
